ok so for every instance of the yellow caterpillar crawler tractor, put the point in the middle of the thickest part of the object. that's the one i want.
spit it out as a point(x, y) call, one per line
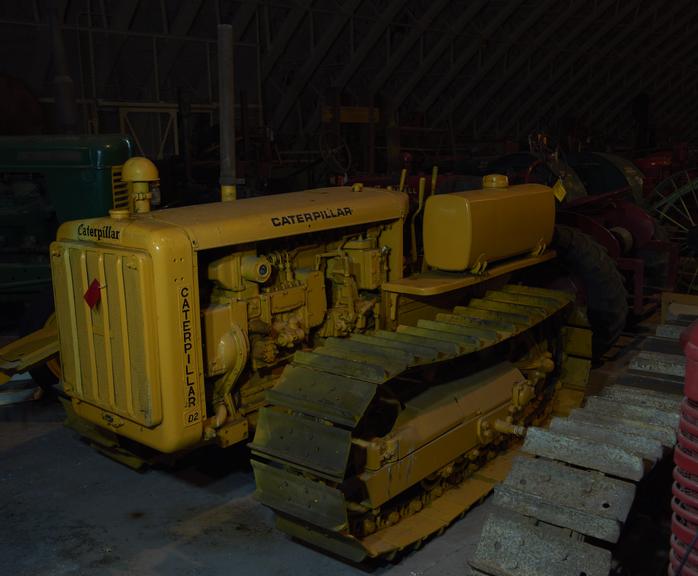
point(381, 399)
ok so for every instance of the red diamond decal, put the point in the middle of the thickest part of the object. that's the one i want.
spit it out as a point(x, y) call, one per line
point(93, 294)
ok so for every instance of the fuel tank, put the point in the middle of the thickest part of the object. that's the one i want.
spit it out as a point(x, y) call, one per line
point(465, 230)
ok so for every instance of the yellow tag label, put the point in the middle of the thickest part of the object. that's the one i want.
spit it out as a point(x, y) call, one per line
point(192, 417)
point(559, 191)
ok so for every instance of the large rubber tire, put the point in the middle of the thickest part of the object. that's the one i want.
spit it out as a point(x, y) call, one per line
point(606, 296)
point(656, 263)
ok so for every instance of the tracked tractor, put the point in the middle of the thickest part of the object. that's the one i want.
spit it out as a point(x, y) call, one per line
point(379, 363)
point(378, 394)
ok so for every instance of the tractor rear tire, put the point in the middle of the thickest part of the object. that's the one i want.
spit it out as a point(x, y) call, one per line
point(606, 296)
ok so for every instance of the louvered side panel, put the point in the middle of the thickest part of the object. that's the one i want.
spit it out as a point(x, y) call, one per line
point(119, 188)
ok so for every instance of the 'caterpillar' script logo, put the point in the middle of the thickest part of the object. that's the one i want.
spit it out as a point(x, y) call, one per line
point(303, 217)
point(98, 232)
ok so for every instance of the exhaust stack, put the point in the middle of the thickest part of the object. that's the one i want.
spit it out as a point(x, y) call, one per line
point(226, 111)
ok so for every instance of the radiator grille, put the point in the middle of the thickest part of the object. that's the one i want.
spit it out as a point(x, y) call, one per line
point(108, 352)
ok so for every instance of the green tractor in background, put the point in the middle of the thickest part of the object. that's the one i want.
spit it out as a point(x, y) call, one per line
point(45, 181)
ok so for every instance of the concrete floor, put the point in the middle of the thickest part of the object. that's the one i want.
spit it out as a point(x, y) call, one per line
point(68, 510)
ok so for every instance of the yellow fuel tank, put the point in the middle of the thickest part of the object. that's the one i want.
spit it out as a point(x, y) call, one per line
point(466, 230)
